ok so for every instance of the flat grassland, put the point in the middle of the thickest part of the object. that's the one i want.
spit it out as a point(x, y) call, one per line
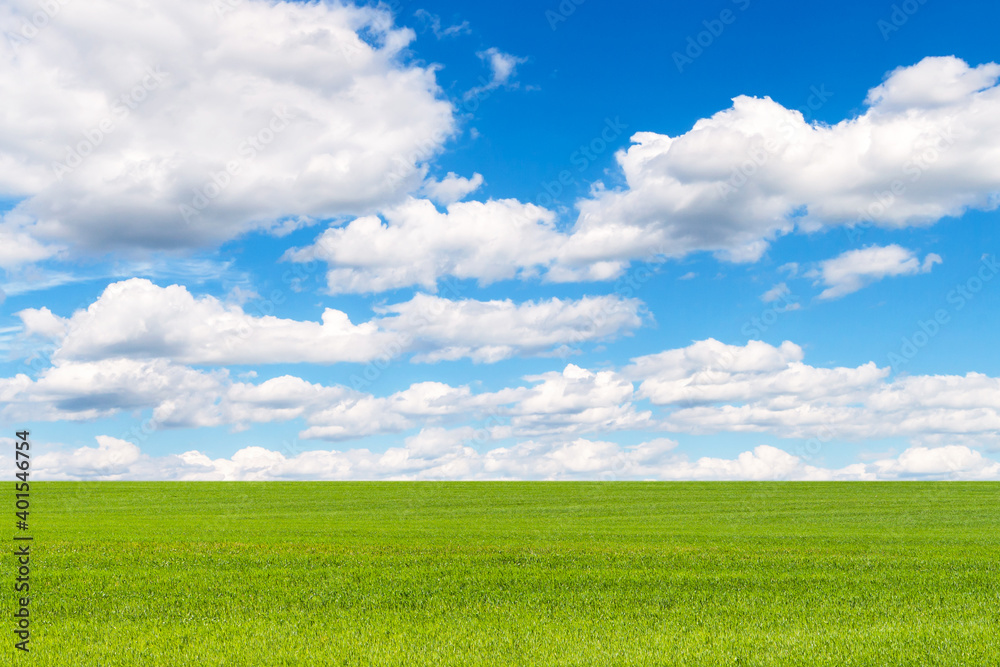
point(508, 574)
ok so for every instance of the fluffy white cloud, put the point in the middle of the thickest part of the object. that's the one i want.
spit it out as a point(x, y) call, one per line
point(575, 400)
point(572, 402)
point(18, 248)
point(117, 115)
point(452, 188)
point(758, 170)
point(417, 245)
point(488, 331)
point(711, 387)
point(730, 185)
point(179, 396)
point(707, 387)
point(949, 462)
point(855, 269)
point(42, 322)
point(767, 376)
point(440, 454)
point(112, 459)
point(763, 463)
point(138, 319)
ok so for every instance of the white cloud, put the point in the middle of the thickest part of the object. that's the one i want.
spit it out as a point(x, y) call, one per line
point(759, 170)
point(730, 185)
point(452, 188)
point(137, 319)
point(572, 402)
point(154, 103)
point(503, 67)
point(112, 459)
point(854, 269)
point(763, 463)
point(488, 331)
point(711, 387)
point(791, 268)
point(433, 21)
point(179, 396)
point(42, 322)
point(18, 248)
point(575, 401)
point(417, 245)
point(441, 454)
point(435, 441)
point(950, 462)
point(932, 83)
point(707, 387)
point(777, 292)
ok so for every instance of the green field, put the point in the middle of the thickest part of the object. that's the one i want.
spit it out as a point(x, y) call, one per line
point(513, 574)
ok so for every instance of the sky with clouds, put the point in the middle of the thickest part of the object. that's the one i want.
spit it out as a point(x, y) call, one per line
point(536, 240)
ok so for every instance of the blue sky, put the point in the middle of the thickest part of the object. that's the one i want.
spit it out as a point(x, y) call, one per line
point(729, 240)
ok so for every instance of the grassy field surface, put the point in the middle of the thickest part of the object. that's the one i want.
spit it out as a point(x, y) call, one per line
point(513, 574)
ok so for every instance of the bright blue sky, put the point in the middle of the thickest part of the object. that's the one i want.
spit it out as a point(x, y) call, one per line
point(639, 251)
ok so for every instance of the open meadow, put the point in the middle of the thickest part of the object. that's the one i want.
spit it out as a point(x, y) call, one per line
point(514, 574)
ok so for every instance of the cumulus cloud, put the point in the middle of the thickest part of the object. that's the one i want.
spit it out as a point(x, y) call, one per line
point(710, 387)
point(575, 401)
point(154, 126)
point(417, 244)
point(452, 188)
point(707, 387)
point(759, 170)
point(854, 269)
point(487, 331)
point(42, 322)
point(949, 462)
point(441, 454)
point(18, 247)
point(730, 185)
point(138, 319)
point(112, 459)
point(572, 402)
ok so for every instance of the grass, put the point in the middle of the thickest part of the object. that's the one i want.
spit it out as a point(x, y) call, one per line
point(514, 574)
